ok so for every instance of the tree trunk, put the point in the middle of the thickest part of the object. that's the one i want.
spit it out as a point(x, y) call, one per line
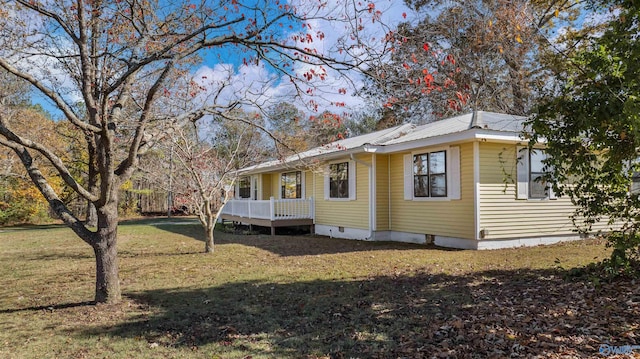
point(91, 218)
point(208, 244)
point(105, 249)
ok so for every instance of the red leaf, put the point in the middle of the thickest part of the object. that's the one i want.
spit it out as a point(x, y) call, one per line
point(451, 59)
point(425, 47)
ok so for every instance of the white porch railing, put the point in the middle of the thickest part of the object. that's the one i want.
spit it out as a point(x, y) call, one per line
point(272, 209)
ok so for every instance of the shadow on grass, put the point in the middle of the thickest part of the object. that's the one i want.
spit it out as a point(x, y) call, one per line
point(31, 227)
point(485, 314)
point(61, 256)
point(285, 245)
point(48, 307)
point(163, 220)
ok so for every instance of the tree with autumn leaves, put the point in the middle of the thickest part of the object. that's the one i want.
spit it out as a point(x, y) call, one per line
point(589, 123)
point(121, 61)
point(20, 202)
point(295, 131)
point(457, 56)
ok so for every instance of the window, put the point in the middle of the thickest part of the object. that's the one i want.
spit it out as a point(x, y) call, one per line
point(530, 172)
point(430, 174)
point(635, 183)
point(255, 188)
point(633, 165)
point(339, 180)
point(244, 187)
point(291, 185)
point(537, 185)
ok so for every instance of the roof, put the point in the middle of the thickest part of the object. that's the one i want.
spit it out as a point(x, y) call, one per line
point(403, 134)
point(474, 120)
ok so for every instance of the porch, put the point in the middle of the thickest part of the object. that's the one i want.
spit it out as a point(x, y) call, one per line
point(270, 213)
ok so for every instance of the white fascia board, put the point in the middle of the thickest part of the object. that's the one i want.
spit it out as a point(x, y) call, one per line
point(501, 137)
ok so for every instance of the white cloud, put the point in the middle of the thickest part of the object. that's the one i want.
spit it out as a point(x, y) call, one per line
point(329, 29)
point(261, 86)
point(595, 18)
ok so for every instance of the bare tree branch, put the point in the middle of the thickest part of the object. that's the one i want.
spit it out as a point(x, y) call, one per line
point(60, 103)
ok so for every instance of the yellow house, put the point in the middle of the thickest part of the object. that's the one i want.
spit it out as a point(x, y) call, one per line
point(464, 182)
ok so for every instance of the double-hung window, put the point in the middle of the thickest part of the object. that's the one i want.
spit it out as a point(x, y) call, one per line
point(291, 185)
point(244, 187)
point(538, 187)
point(531, 171)
point(635, 183)
point(339, 180)
point(430, 174)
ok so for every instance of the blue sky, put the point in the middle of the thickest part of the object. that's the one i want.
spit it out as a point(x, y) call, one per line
point(250, 79)
point(262, 84)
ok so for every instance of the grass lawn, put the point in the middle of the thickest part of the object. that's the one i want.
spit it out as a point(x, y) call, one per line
point(303, 297)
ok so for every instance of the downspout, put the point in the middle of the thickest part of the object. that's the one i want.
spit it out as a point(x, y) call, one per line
point(476, 190)
point(371, 194)
point(389, 192)
point(315, 201)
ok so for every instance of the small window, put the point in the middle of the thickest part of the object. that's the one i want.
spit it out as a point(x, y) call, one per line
point(339, 180)
point(635, 183)
point(255, 188)
point(291, 185)
point(430, 174)
point(244, 187)
point(538, 187)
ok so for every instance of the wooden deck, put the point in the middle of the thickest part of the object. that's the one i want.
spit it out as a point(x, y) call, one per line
point(271, 213)
point(273, 224)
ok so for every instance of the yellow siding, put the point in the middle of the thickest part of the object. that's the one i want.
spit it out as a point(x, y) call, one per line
point(502, 214)
point(266, 186)
point(275, 185)
point(454, 218)
point(344, 213)
point(382, 192)
point(308, 184)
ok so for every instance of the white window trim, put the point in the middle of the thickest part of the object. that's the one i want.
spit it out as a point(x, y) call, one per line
point(522, 175)
point(628, 167)
point(452, 159)
point(352, 181)
point(302, 184)
point(256, 180)
point(237, 188)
